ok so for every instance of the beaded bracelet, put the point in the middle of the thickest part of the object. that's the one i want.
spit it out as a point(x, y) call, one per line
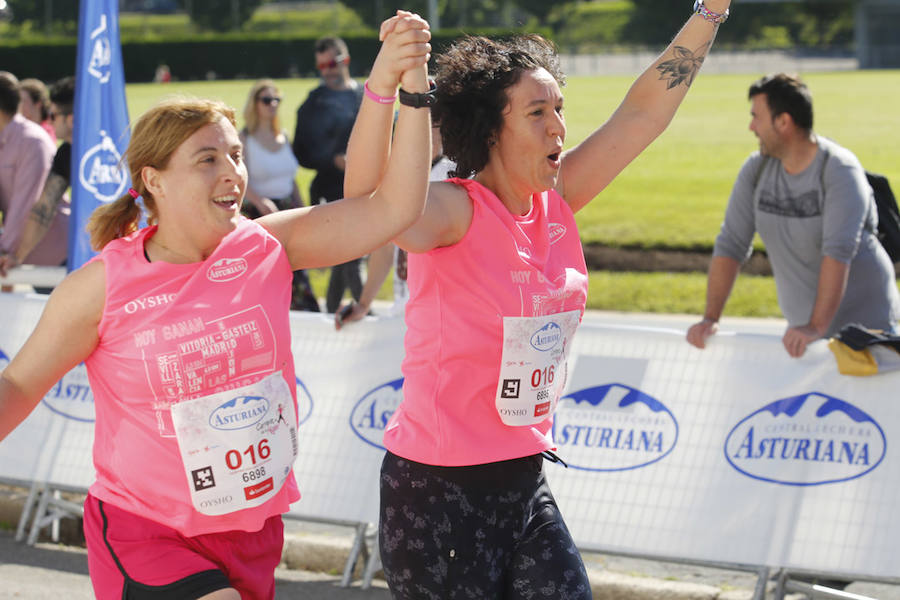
point(379, 99)
point(712, 17)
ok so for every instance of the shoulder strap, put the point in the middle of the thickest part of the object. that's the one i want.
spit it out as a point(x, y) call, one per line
point(822, 171)
point(762, 166)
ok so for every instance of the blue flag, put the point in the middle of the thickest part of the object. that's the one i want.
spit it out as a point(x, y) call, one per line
point(101, 135)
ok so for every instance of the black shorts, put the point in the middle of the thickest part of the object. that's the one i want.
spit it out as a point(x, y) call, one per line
point(485, 531)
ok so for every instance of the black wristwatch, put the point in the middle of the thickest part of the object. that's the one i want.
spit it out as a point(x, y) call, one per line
point(417, 100)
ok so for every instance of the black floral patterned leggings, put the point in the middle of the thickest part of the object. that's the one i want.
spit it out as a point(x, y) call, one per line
point(488, 531)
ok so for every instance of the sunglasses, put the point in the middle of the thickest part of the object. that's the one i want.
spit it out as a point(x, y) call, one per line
point(340, 60)
point(269, 100)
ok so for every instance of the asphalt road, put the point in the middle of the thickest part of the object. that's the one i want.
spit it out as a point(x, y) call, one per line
point(47, 571)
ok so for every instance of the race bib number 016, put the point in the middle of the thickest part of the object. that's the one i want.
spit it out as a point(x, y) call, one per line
point(533, 366)
point(237, 446)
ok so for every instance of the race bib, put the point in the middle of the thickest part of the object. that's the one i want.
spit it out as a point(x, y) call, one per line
point(533, 366)
point(237, 446)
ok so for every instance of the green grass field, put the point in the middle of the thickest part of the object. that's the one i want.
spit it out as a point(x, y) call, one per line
point(675, 193)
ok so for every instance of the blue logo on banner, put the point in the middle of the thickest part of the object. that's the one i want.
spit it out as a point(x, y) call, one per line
point(239, 413)
point(98, 175)
point(71, 397)
point(371, 414)
point(101, 171)
point(613, 427)
point(304, 402)
point(811, 439)
point(547, 337)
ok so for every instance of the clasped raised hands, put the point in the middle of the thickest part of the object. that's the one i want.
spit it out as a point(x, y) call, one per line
point(404, 54)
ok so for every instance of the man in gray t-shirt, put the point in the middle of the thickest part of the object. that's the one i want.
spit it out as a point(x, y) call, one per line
point(809, 200)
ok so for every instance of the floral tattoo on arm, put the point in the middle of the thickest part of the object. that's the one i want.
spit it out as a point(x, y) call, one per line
point(684, 67)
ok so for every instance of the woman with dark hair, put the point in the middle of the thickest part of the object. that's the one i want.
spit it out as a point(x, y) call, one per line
point(498, 284)
point(183, 328)
point(35, 104)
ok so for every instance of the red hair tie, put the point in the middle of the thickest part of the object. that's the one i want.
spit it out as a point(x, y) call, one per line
point(133, 192)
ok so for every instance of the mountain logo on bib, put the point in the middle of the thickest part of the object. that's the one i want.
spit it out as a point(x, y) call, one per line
point(239, 413)
point(805, 440)
point(557, 231)
point(226, 269)
point(547, 337)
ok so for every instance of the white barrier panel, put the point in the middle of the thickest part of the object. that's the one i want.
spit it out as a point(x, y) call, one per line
point(737, 453)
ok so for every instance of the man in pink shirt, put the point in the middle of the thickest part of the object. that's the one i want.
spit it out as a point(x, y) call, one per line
point(26, 153)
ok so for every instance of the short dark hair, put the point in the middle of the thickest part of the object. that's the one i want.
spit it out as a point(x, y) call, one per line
point(9, 93)
point(332, 43)
point(472, 78)
point(786, 94)
point(62, 94)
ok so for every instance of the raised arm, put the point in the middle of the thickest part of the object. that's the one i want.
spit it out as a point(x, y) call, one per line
point(65, 335)
point(645, 112)
point(329, 234)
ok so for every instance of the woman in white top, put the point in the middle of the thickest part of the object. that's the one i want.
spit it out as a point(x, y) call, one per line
point(271, 164)
point(271, 170)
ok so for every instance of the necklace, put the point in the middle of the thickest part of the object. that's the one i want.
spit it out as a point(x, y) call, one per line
point(185, 257)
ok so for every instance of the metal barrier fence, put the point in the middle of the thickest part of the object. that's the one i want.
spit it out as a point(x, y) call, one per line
point(736, 456)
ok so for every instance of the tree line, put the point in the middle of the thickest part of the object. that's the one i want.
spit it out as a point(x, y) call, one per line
point(647, 22)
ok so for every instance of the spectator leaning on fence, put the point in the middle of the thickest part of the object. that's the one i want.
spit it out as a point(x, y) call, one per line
point(183, 328)
point(810, 201)
point(498, 285)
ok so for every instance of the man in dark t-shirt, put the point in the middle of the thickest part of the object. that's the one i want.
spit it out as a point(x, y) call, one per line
point(324, 122)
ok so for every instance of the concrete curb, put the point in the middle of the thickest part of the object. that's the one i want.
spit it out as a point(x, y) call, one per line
point(326, 553)
point(327, 550)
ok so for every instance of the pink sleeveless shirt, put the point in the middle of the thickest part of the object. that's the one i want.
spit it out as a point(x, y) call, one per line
point(176, 332)
point(460, 298)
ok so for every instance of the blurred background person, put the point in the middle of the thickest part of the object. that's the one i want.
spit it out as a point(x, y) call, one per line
point(162, 74)
point(26, 153)
point(53, 208)
point(808, 199)
point(34, 104)
point(324, 121)
point(272, 170)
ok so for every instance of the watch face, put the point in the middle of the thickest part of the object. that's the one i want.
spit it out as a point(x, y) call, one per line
point(697, 5)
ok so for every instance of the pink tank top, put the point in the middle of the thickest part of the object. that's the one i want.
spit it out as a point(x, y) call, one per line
point(482, 315)
point(171, 333)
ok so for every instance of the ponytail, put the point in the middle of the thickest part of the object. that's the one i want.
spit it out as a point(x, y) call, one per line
point(114, 220)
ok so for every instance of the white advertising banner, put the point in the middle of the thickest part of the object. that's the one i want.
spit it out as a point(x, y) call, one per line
point(736, 453)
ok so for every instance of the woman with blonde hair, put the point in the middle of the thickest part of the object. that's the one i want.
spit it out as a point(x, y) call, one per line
point(271, 164)
point(271, 171)
point(183, 327)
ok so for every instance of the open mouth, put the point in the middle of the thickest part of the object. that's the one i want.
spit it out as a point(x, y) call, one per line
point(229, 202)
point(554, 158)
